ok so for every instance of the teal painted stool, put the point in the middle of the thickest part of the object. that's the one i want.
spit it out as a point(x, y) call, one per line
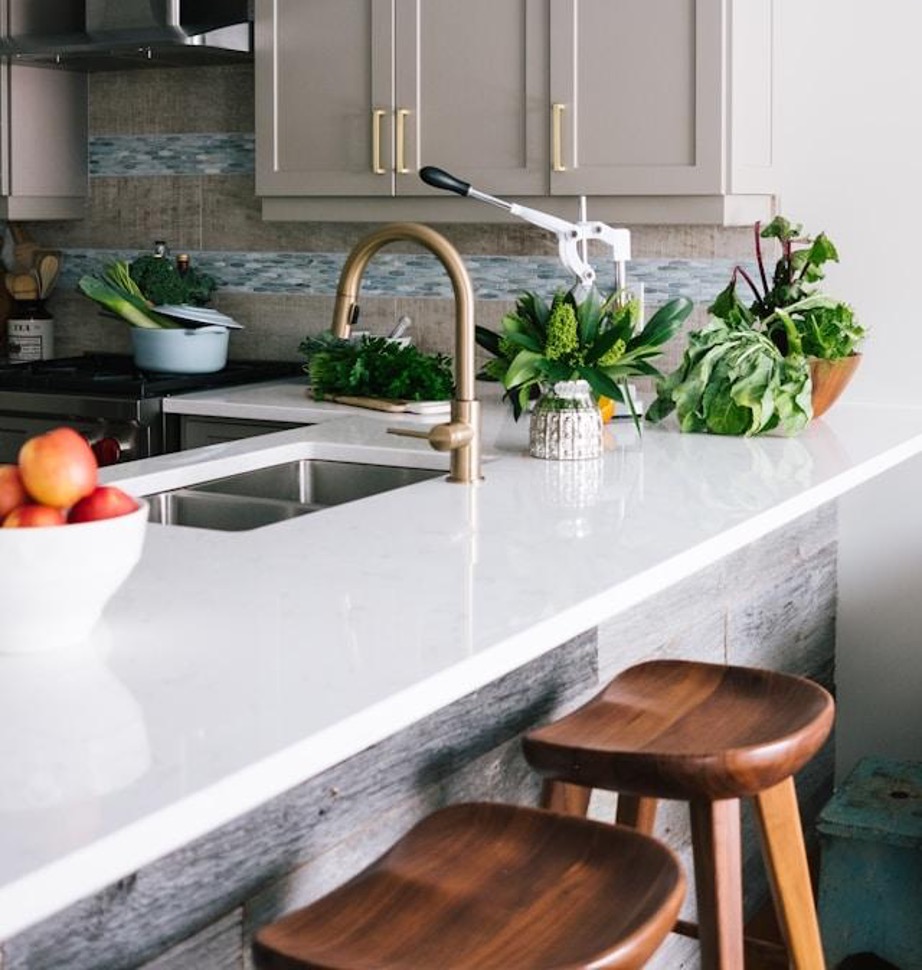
point(870, 897)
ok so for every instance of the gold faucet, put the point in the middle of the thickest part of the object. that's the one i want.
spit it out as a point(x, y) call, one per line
point(461, 435)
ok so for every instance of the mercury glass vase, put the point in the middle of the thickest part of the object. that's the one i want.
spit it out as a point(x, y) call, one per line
point(566, 423)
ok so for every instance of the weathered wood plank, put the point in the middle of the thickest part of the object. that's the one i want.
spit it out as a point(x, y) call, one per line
point(218, 947)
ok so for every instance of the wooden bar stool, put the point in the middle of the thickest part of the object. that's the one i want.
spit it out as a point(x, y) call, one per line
point(706, 734)
point(490, 887)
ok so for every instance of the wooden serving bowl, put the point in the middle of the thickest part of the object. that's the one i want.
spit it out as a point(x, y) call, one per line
point(830, 378)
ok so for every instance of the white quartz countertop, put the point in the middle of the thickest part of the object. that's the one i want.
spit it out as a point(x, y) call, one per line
point(233, 666)
point(285, 400)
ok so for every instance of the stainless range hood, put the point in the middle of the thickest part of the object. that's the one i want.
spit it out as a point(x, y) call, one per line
point(97, 35)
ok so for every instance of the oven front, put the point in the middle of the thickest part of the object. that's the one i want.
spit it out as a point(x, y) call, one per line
point(119, 429)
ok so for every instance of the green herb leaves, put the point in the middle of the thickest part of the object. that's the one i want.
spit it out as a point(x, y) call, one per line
point(375, 367)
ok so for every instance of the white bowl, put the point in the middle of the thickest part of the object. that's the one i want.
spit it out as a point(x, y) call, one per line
point(56, 580)
point(196, 350)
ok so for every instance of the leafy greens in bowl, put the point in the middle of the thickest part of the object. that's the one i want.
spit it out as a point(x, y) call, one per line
point(749, 370)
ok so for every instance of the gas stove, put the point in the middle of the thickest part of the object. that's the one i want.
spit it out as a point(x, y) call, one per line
point(114, 404)
point(117, 375)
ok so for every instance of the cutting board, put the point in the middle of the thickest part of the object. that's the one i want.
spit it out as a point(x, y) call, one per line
point(394, 406)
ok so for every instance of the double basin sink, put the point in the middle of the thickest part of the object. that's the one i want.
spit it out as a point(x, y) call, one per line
point(256, 498)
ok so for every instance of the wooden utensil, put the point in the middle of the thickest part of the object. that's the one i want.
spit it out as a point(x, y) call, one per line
point(22, 286)
point(24, 249)
point(48, 266)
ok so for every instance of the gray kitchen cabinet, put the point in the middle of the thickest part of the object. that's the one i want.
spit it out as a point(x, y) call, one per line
point(657, 110)
point(43, 142)
point(354, 96)
point(324, 97)
point(196, 431)
point(661, 97)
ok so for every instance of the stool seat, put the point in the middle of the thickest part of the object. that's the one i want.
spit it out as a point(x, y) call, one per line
point(686, 730)
point(707, 734)
point(490, 887)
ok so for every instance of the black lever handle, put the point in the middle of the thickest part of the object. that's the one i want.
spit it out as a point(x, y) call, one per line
point(440, 179)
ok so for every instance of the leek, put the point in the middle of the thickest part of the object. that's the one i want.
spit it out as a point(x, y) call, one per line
point(130, 306)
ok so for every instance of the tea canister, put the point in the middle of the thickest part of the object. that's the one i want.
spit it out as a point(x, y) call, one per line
point(30, 333)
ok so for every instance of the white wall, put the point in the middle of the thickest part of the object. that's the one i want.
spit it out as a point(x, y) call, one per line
point(850, 113)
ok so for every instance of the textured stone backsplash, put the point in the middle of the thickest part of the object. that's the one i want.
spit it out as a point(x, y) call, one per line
point(171, 157)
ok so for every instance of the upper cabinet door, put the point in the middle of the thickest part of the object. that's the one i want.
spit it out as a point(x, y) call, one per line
point(324, 97)
point(43, 143)
point(637, 97)
point(472, 93)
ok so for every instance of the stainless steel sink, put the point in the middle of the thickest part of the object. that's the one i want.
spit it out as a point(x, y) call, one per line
point(256, 498)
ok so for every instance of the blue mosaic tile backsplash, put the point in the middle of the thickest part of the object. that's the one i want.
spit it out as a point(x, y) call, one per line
point(390, 274)
point(412, 275)
point(194, 154)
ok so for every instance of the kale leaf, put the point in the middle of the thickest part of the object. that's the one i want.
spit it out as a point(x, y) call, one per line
point(734, 380)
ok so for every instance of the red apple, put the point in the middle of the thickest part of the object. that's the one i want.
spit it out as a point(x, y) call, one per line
point(30, 516)
point(104, 502)
point(12, 490)
point(58, 468)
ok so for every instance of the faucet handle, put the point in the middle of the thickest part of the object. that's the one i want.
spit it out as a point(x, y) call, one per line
point(409, 433)
point(442, 437)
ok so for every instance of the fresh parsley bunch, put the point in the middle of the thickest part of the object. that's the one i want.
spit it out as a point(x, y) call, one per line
point(375, 367)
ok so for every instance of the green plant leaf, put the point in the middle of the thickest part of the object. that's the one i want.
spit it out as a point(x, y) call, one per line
point(533, 312)
point(602, 345)
point(664, 324)
point(526, 341)
point(780, 228)
point(488, 339)
point(600, 383)
point(588, 316)
point(727, 306)
point(524, 367)
point(555, 370)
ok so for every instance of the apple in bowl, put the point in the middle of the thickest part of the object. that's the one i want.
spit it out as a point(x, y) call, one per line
point(66, 543)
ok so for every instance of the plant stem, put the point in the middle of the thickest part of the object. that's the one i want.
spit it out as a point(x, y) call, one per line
point(758, 229)
point(739, 271)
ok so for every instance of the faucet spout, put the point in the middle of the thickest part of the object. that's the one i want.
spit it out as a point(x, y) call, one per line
point(461, 436)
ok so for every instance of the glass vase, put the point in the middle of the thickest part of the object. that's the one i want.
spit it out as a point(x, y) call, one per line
point(566, 423)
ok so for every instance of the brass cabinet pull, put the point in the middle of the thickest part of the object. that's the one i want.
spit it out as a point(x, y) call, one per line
point(376, 166)
point(401, 141)
point(556, 150)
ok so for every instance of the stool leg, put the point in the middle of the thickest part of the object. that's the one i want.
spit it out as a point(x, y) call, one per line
point(789, 875)
point(559, 796)
point(637, 813)
point(718, 882)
